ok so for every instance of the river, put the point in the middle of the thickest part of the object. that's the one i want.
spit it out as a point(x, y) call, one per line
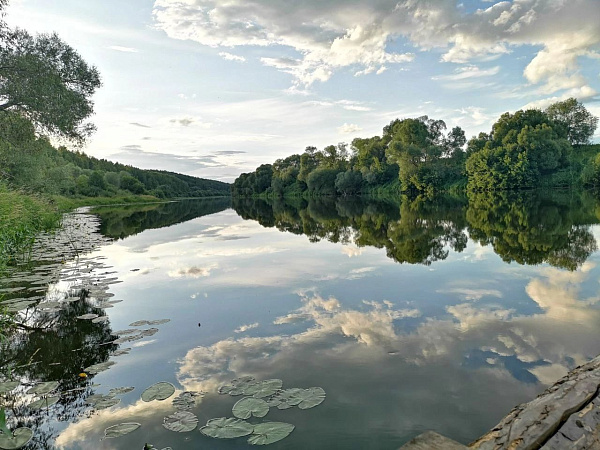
point(408, 315)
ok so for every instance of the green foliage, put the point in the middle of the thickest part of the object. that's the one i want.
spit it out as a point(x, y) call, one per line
point(32, 163)
point(348, 182)
point(591, 174)
point(578, 123)
point(45, 80)
point(322, 181)
point(22, 217)
point(521, 149)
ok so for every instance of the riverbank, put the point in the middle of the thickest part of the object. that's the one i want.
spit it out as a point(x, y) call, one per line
point(22, 217)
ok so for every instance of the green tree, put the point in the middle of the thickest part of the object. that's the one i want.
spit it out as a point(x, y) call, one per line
point(521, 148)
point(132, 184)
point(322, 181)
point(348, 182)
point(578, 122)
point(46, 80)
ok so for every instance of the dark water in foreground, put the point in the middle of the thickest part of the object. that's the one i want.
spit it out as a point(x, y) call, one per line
point(411, 316)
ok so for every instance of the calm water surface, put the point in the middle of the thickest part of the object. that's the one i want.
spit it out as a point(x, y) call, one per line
point(411, 316)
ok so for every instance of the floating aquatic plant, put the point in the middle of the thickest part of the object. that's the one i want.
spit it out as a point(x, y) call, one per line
point(186, 400)
point(87, 316)
point(181, 421)
point(285, 399)
point(237, 386)
point(120, 430)
point(97, 368)
point(18, 439)
point(159, 391)
point(263, 388)
point(45, 402)
point(227, 428)
point(250, 406)
point(43, 388)
point(121, 390)
point(7, 386)
point(311, 397)
point(269, 432)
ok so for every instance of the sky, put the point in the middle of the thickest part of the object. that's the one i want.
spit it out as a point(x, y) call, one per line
point(214, 88)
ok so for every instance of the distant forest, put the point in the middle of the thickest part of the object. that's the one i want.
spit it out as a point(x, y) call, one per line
point(30, 162)
point(523, 150)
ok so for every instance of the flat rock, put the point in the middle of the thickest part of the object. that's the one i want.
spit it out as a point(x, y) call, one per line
point(430, 440)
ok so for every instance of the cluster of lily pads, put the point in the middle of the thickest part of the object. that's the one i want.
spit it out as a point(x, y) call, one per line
point(21, 436)
point(27, 285)
point(260, 396)
point(181, 420)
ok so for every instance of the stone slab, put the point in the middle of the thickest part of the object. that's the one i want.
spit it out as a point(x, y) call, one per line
point(430, 440)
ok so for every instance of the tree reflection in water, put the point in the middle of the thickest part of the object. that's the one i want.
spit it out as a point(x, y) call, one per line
point(527, 227)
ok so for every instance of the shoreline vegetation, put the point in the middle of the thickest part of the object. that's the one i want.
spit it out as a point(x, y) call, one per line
point(525, 150)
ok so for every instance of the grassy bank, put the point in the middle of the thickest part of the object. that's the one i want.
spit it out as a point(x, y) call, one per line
point(65, 204)
point(22, 217)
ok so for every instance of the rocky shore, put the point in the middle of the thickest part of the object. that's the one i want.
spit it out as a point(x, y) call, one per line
point(564, 416)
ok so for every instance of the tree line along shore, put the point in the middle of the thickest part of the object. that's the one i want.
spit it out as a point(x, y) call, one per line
point(415, 156)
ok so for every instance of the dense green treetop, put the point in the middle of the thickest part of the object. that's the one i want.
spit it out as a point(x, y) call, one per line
point(46, 80)
point(579, 124)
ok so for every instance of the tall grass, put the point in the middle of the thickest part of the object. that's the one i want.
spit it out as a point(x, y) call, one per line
point(22, 217)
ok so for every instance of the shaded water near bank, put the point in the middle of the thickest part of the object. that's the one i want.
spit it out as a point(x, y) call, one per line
point(410, 315)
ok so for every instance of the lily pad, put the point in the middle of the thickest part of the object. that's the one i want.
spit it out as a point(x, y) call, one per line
point(100, 319)
point(250, 406)
point(158, 322)
point(121, 352)
point(227, 428)
point(124, 332)
point(263, 388)
point(120, 430)
point(238, 386)
point(45, 402)
point(159, 391)
point(18, 306)
point(181, 421)
point(97, 368)
point(138, 323)
point(87, 316)
point(43, 388)
point(50, 305)
point(7, 386)
point(149, 332)
point(106, 403)
point(269, 432)
point(93, 399)
point(286, 399)
point(20, 438)
point(311, 397)
point(121, 390)
point(185, 400)
point(104, 305)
